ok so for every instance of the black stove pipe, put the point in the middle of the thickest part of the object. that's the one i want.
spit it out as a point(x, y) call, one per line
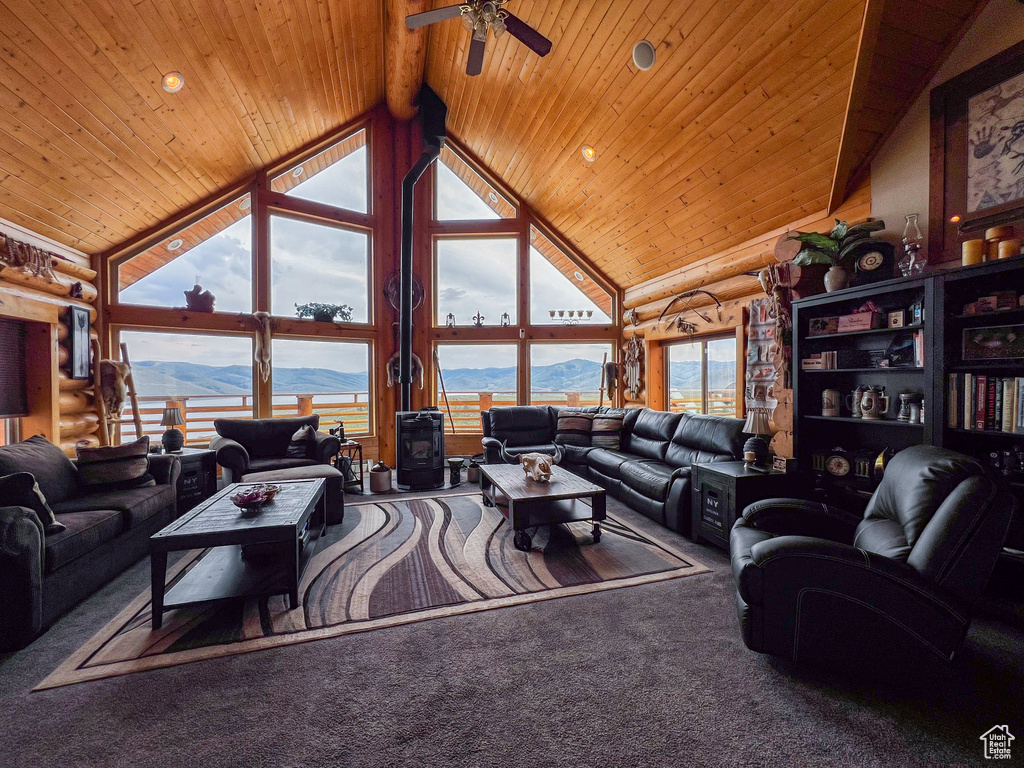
point(432, 113)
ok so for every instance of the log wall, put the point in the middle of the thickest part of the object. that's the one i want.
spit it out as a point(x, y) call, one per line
point(731, 276)
point(63, 409)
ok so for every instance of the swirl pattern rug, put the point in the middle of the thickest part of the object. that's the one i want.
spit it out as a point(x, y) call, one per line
point(394, 561)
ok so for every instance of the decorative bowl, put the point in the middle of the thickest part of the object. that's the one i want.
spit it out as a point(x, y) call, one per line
point(255, 496)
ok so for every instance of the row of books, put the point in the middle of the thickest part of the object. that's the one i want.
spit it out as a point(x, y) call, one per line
point(989, 403)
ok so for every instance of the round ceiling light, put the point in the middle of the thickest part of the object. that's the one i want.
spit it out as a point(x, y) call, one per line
point(589, 153)
point(175, 244)
point(493, 197)
point(173, 82)
point(246, 204)
point(644, 55)
point(578, 275)
point(298, 172)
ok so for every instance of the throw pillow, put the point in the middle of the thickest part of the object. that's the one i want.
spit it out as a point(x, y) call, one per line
point(302, 444)
point(606, 431)
point(573, 428)
point(22, 490)
point(115, 467)
point(49, 466)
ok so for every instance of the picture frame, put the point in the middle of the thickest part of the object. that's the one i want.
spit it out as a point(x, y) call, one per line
point(993, 342)
point(78, 342)
point(897, 318)
point(970, 185)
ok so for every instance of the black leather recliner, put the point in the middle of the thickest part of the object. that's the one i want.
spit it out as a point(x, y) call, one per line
point(813, 583)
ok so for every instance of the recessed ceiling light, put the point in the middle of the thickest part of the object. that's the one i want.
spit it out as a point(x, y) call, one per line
point(578, 275)
point(954, 219)
point(298, 172)
point(589, 153)
point(174, 82)
point(246, 204)
point(493, 197)
point(644, 55)
point(175, 244)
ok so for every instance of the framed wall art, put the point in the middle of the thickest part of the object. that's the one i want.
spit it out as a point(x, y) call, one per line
point(78, 343)
point(976, 176)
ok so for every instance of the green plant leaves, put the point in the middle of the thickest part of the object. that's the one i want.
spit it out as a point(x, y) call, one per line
point(809, 256)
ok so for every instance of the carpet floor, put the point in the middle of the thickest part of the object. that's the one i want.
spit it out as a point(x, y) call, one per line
point(650, 675)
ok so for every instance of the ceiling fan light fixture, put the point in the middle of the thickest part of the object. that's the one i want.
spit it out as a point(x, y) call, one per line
point(173, 82)
point(589, 153)
point(644, 55)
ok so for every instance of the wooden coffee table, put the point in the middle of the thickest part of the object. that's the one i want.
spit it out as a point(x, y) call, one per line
point(292, 522)
point(529, 504)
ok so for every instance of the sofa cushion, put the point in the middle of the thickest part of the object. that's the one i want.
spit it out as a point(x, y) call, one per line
point(115, 466)
point(523, 425)
point(699, 439)
point(46, 462)
point(137, 504)
point(85, 531)
point(573, 428)
point(607, 462)
point(651, 434)
point(264, 438)
point(302, 443)
point(22, 490)
point(606, 431)
point(647, 477)
point(575, 454)
point(265, 465)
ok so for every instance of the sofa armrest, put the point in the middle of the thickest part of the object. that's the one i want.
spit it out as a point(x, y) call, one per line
point(485, 423)
point(165, 468)
point(21, 573)
point(231, 455)
point(326, 448)
point(789, 517)
point(492, 450)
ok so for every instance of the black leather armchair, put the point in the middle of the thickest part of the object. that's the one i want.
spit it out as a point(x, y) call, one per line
point(813, 583)
point(247, 446)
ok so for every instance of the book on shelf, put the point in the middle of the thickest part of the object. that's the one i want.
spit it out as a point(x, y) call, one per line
point(985, 403)
point(820, 361)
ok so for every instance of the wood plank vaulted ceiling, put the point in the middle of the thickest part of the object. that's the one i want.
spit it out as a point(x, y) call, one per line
point(734, 132)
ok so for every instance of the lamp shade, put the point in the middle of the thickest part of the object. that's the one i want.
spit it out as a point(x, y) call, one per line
point(172, 418)
point(757, 422)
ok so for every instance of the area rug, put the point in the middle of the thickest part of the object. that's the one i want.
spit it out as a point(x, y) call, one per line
point(391, 562)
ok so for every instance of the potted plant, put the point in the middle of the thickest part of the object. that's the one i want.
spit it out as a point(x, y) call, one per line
point(836, 249)
point(324, 313)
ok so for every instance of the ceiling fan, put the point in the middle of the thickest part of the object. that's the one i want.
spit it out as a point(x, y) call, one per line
point(478, 16)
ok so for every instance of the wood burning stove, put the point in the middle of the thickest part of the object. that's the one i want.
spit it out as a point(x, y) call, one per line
point(420, 449)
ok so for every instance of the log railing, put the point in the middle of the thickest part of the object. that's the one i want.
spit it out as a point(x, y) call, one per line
point(721, 402)
point(199, 411)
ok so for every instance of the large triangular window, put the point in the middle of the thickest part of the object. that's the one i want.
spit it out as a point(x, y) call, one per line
point(338, 176)
point(462, 194)
point(560, 292)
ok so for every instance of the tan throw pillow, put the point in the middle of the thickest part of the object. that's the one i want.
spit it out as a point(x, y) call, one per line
point(115, 466)
point(573, 428)
point(606, 431)
point(302, 444)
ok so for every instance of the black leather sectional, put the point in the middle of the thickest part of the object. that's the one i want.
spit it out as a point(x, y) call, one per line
point(651, 470)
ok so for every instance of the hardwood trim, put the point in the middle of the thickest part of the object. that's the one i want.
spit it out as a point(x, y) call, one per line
point(283, 204)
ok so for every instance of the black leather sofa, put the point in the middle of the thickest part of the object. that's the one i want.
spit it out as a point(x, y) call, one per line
point(43, 576)
point(651, 470)
point(884, 593)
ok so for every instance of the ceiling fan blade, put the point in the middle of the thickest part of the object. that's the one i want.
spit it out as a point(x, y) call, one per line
point(475, 62)
point(527, 35)
point(418, 20)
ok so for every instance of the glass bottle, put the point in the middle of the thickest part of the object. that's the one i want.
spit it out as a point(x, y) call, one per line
point(913, 261)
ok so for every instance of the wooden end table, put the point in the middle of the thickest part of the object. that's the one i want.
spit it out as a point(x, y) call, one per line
point(529, 504)
point(293, 521)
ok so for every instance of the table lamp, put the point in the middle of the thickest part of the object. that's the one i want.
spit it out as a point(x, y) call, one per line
point(172, 439)
point(755, 450)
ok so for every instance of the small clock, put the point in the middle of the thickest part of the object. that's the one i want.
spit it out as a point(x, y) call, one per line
point(837, 465)
point(874, 262)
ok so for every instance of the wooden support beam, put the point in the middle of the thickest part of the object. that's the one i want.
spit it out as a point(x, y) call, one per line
point(405, 57)
point(849, 158)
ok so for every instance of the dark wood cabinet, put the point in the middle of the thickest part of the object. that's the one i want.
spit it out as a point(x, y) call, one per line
point(721, 490)
point(198, 479)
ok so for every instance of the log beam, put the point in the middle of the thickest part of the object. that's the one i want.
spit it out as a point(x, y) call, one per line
point(405, 57)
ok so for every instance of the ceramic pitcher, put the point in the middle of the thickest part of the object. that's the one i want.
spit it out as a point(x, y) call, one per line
point(874, 403)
